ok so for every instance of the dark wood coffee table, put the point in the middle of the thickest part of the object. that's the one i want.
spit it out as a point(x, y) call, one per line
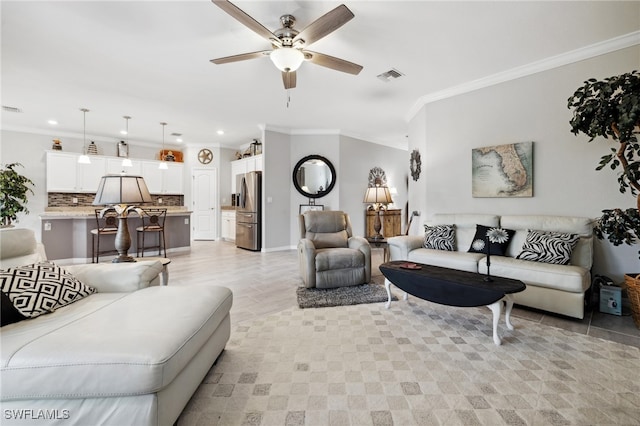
point(454, 288)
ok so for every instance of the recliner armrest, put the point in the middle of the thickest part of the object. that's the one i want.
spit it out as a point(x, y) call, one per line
point(360, 243)
point(118, 277)
point(307, 259)
point(400, 246)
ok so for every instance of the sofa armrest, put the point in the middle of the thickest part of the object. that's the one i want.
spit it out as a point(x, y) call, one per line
point(307, 259)
point(399, 247)
point(361, 243)
point(118, 277)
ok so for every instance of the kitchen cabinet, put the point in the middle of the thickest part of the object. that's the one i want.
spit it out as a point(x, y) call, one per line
point(390, 219)
point(228, 228)
point(65, 174)
point(167, 181)
point(114, 167)
point(244, 165)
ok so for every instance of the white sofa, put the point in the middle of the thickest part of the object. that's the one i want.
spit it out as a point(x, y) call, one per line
point(550, 287)
point(131, 354)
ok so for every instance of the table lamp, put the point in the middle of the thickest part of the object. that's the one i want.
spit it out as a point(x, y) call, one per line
point(122, 192)
point(377, 195)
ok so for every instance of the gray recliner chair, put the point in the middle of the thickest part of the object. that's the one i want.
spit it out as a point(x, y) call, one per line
point(330, 256)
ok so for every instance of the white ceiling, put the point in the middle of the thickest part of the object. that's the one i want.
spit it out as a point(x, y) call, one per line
point(150, 60)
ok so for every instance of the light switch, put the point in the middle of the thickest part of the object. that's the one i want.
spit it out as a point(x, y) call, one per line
point(47, 226)
point(269, 199)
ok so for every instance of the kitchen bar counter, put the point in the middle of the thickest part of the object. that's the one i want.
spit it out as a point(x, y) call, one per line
point(66, 232)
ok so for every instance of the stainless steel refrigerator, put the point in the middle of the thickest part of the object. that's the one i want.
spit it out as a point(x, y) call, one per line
point(248, 211)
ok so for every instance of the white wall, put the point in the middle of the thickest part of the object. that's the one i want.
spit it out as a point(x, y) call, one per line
point(532, 108)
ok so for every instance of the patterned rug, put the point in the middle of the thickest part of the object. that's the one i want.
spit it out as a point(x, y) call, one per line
point(416, 363)
point(341, 296)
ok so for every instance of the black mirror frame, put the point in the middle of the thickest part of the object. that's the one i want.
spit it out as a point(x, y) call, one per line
point(331, 168)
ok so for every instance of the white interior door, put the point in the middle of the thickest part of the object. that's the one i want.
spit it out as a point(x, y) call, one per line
point(205, 203)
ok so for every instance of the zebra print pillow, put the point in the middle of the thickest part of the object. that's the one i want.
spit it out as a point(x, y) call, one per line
point(548, 247)
point(440, 237)
point(41, 288)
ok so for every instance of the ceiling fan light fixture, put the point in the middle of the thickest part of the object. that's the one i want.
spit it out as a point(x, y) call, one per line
point(287, 59)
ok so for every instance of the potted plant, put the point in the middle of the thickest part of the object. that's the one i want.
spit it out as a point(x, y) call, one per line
point(611, 108)
point(13, 194)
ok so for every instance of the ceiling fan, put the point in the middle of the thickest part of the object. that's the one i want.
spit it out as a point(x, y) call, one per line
point(289, 45)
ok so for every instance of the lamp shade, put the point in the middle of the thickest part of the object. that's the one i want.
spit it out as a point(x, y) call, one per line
point(287, 58)
point(377, 194)
point(122, 189)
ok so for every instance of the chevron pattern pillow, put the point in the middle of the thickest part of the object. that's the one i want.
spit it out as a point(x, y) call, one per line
point(41, 288)
point(440, 237)
point(548, 247)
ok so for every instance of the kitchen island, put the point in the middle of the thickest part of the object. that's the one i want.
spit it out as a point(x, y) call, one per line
point(66, 233)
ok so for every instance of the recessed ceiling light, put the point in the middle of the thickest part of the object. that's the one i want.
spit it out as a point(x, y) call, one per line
point(220, 132)
point(52, 122)
point(123, 132)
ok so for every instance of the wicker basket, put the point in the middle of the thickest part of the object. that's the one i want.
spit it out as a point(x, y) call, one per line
point(633, 290)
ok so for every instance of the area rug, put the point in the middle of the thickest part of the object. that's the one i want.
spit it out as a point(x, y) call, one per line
point(341, 296)
point(416, 363)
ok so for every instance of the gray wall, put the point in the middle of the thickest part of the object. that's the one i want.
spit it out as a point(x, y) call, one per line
point(275, 183)
point(532, 108)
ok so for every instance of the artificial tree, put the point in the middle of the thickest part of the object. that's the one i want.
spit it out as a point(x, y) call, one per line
point(611, 108)
point(13, 193)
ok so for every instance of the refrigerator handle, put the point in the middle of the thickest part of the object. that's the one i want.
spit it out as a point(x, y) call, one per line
point(243, 193)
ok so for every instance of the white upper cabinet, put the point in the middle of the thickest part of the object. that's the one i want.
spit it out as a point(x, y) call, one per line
point(244, 165)
point(65, 174)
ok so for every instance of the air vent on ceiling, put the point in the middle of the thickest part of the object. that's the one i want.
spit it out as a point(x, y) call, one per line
point(176, 134)
point(392, 74)
point(11, 109)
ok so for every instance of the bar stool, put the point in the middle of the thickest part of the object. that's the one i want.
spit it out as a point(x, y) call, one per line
point(107, 224)
point(152, 221)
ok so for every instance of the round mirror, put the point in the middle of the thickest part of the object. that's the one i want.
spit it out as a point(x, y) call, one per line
point(314, 176)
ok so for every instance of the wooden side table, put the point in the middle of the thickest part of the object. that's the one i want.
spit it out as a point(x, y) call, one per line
point(391, 222)
point(380, 243)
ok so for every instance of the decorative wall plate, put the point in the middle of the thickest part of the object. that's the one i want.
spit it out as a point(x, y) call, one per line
point(205, 156)
point(415, 164)
point(377, 176)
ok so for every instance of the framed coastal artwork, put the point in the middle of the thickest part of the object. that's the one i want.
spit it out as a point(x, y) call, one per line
point(502, 171)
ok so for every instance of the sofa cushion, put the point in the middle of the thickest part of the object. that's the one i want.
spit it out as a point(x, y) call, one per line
point(499, 240)
point(440, 237)
point(548, 247)
point(338, 258)
point(448, 259)
point(574, 279)
point(111, 344)
point(41, 288)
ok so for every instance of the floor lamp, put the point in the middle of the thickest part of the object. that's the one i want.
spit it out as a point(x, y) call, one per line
point(377, 195)
point(123, 193)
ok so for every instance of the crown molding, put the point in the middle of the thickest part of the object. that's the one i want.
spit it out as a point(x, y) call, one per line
point(577, 55)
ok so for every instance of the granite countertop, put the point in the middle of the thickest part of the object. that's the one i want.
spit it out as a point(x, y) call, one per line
point(79, 212)
point(227, 207)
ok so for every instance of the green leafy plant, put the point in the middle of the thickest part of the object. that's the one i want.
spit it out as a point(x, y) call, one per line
point(610, 108)
point(13, 193)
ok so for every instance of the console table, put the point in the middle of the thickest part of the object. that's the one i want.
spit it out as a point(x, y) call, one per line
point(454, 288)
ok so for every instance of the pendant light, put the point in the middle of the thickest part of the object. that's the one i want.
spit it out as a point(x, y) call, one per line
point(127, 161)
point(84, 158)
point(163, 163)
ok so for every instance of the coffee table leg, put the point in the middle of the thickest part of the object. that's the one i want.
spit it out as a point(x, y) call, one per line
point(496, 308)
point(507, 312)
point(387, 285)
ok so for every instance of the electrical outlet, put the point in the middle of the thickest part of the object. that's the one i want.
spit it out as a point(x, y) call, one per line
point(159, 200)
point(47, 226)
point(75, 200)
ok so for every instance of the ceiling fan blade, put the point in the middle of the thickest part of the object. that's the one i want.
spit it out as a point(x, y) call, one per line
point(324, 25)
point(289, 79)
point(247, 20)
point(241, 57)
point(332, 62)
